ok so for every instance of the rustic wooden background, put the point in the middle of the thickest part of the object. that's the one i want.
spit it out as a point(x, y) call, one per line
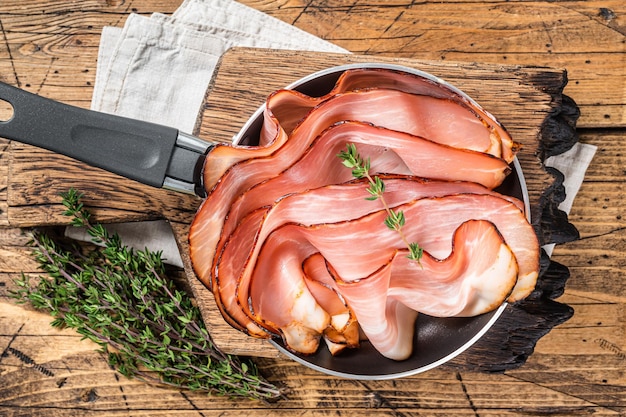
point(50, 48)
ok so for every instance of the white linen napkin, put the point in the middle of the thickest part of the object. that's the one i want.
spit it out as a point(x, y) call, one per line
point(158, 68)
point(573, 165)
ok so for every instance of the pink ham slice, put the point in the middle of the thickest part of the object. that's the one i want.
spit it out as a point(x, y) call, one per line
point(300, 208)
point(431, 222)
point(475, 278)
point(480, 272)
point(440, 120)
point(364, 78)
point(290, 106)
point(403, 154)
point(288, 306)
point(257, 274)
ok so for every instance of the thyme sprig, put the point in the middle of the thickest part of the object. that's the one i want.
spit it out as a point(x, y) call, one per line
point(122, 299)
point(395, 219)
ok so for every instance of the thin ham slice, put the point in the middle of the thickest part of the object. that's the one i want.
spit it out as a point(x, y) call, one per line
point(475, 278)
point(466, 283)
point(302, 224)
point(441, 120)
point(403, 154)
point(317, 206)
point(430, 221)
point(291, 106)
point(363, 78)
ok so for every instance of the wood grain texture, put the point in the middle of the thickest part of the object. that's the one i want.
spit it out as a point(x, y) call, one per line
point(523, 98)
point(586, 37)
point(577, 369)
point(37, 177)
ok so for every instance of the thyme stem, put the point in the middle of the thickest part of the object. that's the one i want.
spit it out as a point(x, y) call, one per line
point(395, 220)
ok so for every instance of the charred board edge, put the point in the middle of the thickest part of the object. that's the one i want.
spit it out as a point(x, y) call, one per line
point(512, 339)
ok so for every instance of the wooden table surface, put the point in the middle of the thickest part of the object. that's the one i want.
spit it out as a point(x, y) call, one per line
point(579, 368)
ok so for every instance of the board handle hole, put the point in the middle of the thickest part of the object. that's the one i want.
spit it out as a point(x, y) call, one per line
point(6, 111)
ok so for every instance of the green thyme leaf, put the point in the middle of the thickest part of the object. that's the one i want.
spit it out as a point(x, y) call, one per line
point(395, 220)
point(415, 252)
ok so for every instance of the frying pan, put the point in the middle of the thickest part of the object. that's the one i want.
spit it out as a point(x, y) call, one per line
point(164, 157)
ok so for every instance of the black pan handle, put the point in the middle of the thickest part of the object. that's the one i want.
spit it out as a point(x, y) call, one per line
point(132, 148)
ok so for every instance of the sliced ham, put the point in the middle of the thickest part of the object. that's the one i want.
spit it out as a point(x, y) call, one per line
point(290, 248)
point(364, 78)
point(266, 271)
point(319, 206)
point(403, 154)
point(466, 283)
point(430, 222)
point(441, 120)
point(477, 276)
point(229, 171)
point(291, 106)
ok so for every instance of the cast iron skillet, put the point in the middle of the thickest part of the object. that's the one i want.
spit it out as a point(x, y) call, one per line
point(161, 156)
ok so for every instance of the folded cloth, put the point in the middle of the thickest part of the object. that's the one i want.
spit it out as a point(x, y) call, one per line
point(573, 165)
point(158, 69)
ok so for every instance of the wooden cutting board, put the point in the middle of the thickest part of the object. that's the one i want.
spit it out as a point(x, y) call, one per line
point(527, 100)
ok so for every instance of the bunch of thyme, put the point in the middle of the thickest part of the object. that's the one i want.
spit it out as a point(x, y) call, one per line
point(395, 220)
point(122, 300)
